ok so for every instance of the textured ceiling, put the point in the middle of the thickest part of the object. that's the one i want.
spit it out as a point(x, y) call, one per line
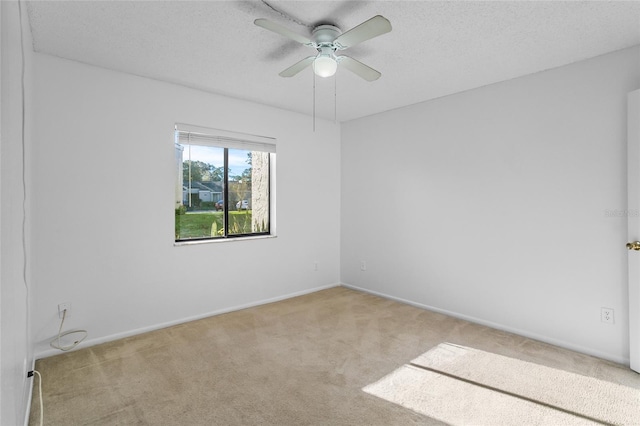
point(436, 48)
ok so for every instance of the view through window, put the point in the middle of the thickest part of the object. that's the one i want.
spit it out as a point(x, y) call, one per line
point(222, 187)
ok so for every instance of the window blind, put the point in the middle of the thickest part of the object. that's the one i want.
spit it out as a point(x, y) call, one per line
point(188, 134)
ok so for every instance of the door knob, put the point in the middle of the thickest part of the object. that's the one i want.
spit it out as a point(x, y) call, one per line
point(634, 245)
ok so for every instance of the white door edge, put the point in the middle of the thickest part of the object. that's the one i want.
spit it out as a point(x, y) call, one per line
point(633, 224)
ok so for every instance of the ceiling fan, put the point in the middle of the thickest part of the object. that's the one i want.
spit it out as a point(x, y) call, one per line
point(327, 40)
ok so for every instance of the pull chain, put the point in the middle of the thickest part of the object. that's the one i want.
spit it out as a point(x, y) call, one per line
point(335, 98)
point(314, 101)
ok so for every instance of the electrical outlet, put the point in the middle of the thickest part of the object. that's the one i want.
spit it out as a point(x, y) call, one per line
point(606, 315)
point(62, 307)
point(363, 265)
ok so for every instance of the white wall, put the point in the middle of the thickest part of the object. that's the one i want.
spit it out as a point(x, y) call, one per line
point(16, 350)
point(491, 204)
point(111, 254)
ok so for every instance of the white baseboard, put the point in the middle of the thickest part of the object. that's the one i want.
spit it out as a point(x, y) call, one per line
point(503, 327)
point(525, 333)
point(116, 336)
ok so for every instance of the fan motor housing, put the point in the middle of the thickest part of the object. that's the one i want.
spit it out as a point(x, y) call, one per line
point(325, 34)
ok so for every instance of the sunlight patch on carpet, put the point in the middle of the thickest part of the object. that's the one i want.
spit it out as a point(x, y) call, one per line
point(460, 385)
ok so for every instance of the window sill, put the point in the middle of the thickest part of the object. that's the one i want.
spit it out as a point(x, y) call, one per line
point(222, 240)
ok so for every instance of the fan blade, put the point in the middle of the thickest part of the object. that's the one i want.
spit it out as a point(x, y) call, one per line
point(359, 68)
point(297, 67)
point(374, 27)
point(279, 29)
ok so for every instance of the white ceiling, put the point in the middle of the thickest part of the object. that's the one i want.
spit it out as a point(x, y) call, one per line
point(436, 48)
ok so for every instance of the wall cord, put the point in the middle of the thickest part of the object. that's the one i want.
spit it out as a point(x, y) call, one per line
point(285, 16)
point(24, 156)
point(56, 344)
point(24, 206)
point(30, 374)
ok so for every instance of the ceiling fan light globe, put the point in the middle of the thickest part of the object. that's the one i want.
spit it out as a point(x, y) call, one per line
point(324, 66)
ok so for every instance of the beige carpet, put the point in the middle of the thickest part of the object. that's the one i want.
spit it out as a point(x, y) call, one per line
point(461, 385)
point(302, 361)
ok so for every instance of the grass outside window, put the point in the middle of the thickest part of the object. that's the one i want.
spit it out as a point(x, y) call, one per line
point(208, 224)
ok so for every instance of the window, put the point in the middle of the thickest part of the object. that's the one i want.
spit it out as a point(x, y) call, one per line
point(223, 184)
